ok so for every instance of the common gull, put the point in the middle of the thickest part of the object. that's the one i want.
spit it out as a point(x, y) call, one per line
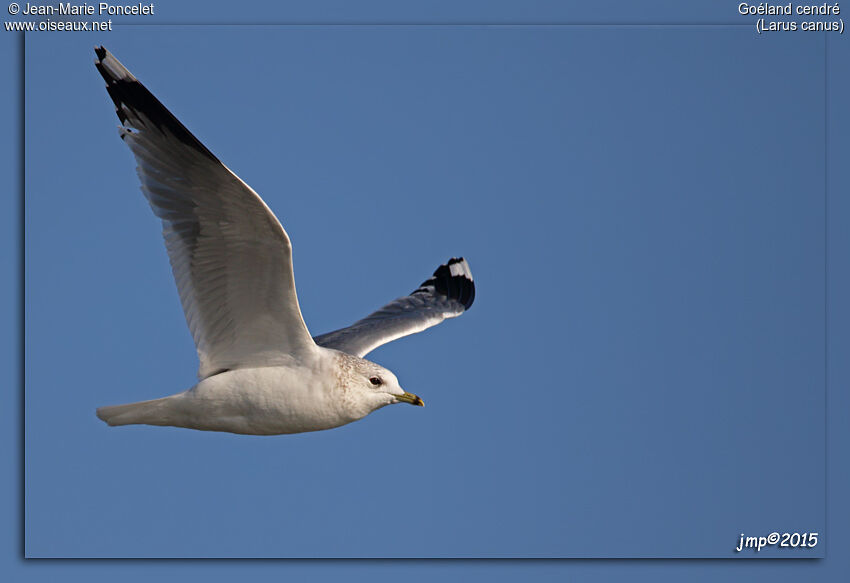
point(260, 371)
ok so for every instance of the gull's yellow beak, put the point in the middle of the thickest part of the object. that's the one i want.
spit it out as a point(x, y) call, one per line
point(410, 398)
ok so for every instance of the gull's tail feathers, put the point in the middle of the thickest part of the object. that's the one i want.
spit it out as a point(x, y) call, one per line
point(154, 412)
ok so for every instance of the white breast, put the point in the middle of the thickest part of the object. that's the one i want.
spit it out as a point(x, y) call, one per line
point(266, 401)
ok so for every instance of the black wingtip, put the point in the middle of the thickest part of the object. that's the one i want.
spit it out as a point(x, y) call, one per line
point(130, 96)
point(454, 280)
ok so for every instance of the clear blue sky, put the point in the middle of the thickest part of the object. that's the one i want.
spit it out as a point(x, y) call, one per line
point(642, 375)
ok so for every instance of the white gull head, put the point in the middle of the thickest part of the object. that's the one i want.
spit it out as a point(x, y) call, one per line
point(366, 386)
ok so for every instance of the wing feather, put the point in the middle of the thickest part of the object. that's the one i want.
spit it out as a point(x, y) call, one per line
point(231, 258)
point(446, 294)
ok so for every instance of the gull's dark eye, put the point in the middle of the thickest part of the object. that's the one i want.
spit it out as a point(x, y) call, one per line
point(376, 381)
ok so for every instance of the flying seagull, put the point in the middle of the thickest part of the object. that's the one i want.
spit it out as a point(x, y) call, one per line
point(261, 372)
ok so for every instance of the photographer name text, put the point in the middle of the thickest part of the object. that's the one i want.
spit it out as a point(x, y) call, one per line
point(99, 9)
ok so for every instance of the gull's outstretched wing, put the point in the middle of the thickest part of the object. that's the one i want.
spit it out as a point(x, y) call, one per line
point(446, 294)
point(230, 256)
